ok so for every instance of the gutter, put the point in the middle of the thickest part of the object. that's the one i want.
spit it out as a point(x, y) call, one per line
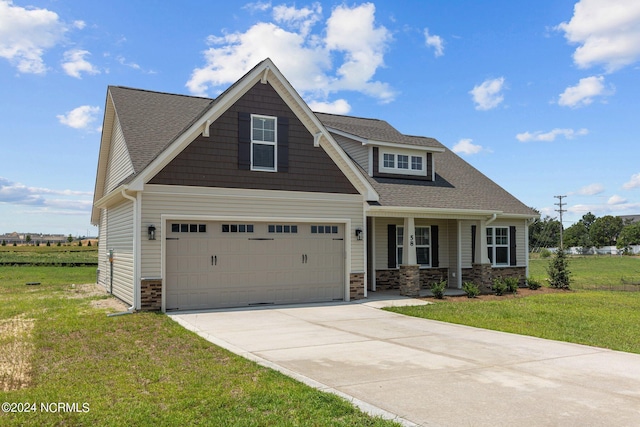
point(490, 220)
point(135, 210)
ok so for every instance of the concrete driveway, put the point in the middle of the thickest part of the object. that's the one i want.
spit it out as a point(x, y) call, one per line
point(431, 373)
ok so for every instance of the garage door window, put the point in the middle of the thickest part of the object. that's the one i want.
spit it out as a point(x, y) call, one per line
point(237, 228)
point(188, 228)
point(324, 229)
point(281, 228)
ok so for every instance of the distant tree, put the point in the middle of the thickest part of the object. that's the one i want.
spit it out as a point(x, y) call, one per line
point(89, 243)
point(577, 235)
point(4, 243)
point(630, 235)
point(58, 244)
point(15, 244)
point(70, 238)
point(605, 230)
point(28, 239)
point(48, 243)
point(544, 233)
point(79, 242)
point(38, 243)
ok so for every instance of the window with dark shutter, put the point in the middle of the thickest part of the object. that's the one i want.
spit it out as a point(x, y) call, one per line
point(244, 141)
point(283, 144)
point(512, 246)
point(435, 248)
point(391, 246)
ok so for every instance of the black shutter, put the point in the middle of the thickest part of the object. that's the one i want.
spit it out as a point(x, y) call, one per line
point(391, 246)
point(244, 141)
point(473, 244)
point(435, 249)
point(512, 246)
point(283, 144)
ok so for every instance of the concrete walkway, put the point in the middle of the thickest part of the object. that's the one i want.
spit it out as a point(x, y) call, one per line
point(424, 372)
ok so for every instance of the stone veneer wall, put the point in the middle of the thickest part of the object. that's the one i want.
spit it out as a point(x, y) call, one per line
point(484, 274)
point(429, 276)
point(356, 286)
point(390, 279)
point(410, 280)
point(151, 294)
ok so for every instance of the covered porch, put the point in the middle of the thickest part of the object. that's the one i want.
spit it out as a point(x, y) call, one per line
point(408, 250)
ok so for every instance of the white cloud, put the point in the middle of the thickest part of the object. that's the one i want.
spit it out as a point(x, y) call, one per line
point(79, 118)
point(351, 39)
point(258, 6)
point(634, 182)
point(590, 190)
point(583, 93)
point(488, 95)
point(608, 32)
point(551, 135)
point(79, 24)
point(465, 146)
point(339, 106)
point(298, 19)
point(20, 194)
point(616, 200)
point(25, 35)
point(75, 63)
point(435, 42)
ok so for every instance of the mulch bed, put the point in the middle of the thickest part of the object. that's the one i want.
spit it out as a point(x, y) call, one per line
point(522, 292)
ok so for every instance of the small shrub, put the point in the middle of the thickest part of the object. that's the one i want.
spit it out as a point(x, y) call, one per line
point(14, 244)
point(58, 244)
point(4, 243)
point(89, 244)
point(438, 288)
point(545, 253)
point(499, 286)
point(79, 242)
point(471, 289)
point(48, 243)
point(511, 284)
point(533, 284)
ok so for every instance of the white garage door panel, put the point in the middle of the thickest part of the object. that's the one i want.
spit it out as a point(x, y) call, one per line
point(214, 269)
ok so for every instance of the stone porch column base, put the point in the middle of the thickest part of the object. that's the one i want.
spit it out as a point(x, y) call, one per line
point(410, 280)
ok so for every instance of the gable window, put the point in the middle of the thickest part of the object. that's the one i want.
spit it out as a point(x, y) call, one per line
point(263, 143)
point(498, 245)
point(423, 245)
point(389, 160)
point(402, 162)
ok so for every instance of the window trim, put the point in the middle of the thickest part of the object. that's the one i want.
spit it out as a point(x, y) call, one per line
point(492, 245)
point(400, 230)
point(274, 144)
point(396, 169)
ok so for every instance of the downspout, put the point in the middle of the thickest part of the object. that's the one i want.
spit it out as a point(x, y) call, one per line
point(490, 220)
point(135, 209)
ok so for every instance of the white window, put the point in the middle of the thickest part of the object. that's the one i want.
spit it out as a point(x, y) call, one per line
point(263, 143)
point(416, 163)
point(423, 245)
point(498, 245)
point(389, 161)
point(402, 162)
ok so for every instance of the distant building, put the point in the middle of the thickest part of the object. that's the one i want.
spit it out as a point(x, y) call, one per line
point(630, 219)
point(21, 238)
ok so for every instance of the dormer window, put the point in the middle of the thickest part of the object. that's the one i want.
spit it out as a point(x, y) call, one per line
point(403, 162)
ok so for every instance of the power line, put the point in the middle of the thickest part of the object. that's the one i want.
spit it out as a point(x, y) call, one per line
point(560, 211)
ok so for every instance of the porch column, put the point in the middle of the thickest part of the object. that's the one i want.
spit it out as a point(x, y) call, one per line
point(483, 268)
point(409, 269)
point(484, 251)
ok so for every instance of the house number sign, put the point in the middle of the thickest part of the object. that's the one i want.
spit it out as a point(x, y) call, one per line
point(411, 240)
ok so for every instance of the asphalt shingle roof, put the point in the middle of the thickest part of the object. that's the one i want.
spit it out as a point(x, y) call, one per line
point(151, 121)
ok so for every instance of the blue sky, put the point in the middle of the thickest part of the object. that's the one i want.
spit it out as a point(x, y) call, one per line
point(542, 96)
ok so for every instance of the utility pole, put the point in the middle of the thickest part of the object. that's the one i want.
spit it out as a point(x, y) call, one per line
point(560, 210)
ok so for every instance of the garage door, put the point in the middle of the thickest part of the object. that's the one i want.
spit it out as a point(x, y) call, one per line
point(225, 264)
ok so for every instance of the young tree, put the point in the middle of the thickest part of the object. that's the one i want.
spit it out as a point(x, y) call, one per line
point(70, 238)
point(558, 271)
point(28, 239)
point(4, 243)
point(630, 235)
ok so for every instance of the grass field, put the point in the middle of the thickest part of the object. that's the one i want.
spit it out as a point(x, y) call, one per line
point(142, 369)
point(596, 272)
point(48, 255)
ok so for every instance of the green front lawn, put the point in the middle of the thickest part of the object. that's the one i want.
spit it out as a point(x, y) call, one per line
point(598, 318)
point(140, 369)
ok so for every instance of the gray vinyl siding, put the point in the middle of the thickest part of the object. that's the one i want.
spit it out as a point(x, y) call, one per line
point(158, 200)
point(355, 150)
point(466, 242)
point(103, 261)
point(120, 239)
point(119, 165)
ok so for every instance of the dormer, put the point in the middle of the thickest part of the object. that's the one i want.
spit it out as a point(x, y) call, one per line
point(381, 150)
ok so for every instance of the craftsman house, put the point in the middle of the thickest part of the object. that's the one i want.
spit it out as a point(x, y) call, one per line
point(251, 198)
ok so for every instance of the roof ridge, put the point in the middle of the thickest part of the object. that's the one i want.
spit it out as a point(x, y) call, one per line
point(161, 92)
